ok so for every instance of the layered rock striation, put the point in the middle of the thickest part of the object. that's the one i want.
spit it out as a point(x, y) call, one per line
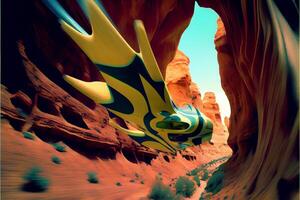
point(179, 82)
point(258, 59)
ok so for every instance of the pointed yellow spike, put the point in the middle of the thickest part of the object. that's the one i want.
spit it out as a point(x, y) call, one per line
point(81, 39)
point(135, 133)
point(146, 51)
point(105, 45)
point(97, 91)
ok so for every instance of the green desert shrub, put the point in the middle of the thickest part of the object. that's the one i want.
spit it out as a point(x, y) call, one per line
point(92, 177)
point(56, 160)
point(34, 181)
point(59, 147)
point(159, 191)
point(185, 186)
point(28, 135)
point(142, 182)
point(197, 180)
point(205, 176)
point(118, 184)
point(131, 181)
point(215, 183)
point(194, 172)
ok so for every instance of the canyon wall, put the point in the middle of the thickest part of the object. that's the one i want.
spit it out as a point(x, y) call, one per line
point(258, 58)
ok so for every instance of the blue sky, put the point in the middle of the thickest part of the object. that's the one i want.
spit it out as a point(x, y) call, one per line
point(197, 43)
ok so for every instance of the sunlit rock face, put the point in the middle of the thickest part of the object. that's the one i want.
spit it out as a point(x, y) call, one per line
point(184, 91)
point(211, 107)
point(179, 82)
point(258, 58)
point(226, 121)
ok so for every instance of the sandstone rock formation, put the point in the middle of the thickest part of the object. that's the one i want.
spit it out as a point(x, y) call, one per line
point(184, 91)
point(258, 59)
point(211, 107)
point(179, 82)
point(226, 121)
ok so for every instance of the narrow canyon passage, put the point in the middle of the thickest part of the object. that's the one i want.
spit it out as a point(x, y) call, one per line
point(57, 143)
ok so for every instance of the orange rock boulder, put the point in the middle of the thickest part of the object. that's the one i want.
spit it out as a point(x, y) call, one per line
point(179, 82)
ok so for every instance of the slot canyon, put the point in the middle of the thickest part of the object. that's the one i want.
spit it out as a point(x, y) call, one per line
point(49, 126)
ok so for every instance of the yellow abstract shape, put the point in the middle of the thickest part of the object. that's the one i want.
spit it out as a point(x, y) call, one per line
point(97, 91)
point(134, 96)
point(135, 133)
point(158, 104)
point(146, 51)
point(104, 40)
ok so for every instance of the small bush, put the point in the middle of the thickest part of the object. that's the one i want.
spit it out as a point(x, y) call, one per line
point(194, 172)
point(35, 182)
point(215, 183)
point(118, 184)
point(136, 175)
point(205, 176)
point(185, 186)
point(197, 180)
point(59, 147)
point(56, 160)
point(92, 177)
point(142, 182)
point(160, 191)
point(131, 181)
point(28, 135)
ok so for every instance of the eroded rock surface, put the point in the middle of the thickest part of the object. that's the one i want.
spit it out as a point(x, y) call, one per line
point(259, 78)
point(179, 82)
point(184, 91)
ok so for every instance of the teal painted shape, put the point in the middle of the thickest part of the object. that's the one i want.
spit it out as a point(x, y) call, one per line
point(62, 14)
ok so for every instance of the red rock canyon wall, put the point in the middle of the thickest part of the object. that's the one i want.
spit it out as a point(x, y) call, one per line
point(258, 58)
